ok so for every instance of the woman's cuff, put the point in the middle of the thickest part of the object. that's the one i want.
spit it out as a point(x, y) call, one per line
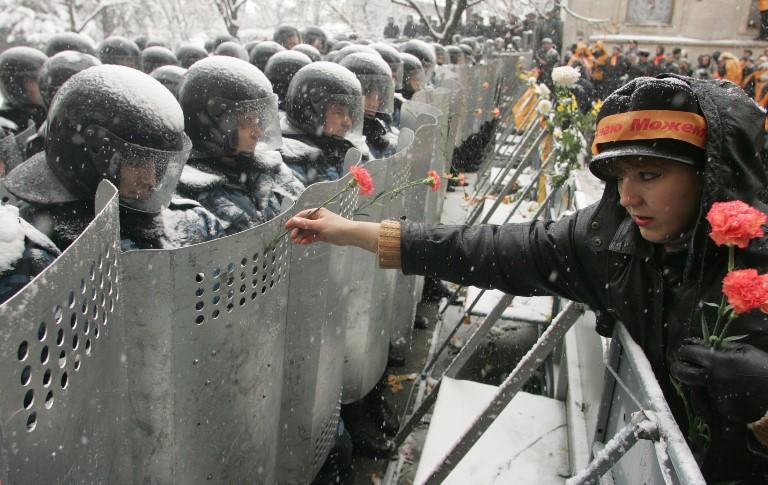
point(760, 430)
point(389, 245)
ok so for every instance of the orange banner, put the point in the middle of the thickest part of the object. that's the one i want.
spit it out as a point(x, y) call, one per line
point(651, 125)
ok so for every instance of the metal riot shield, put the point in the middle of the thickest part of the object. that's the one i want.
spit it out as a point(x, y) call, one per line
point(489, 89)
point(312, 385)
point(205, 346)
point(416, 201)
point(365, 304)
point(63, 365)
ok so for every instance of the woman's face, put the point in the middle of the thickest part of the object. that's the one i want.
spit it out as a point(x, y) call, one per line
point(661, 196)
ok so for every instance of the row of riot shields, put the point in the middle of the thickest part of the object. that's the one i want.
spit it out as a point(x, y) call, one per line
point(222, 362)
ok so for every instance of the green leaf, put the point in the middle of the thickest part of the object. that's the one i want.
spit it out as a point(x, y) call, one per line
point(704, 327)
point(735, 338)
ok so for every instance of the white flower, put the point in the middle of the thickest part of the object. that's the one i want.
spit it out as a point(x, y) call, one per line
point(537, 90)
point(544, 106)
point(558, 133)
point(565, 76)
point(531, 81)
point(544, 91)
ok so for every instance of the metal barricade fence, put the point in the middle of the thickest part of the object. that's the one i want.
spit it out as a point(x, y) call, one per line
point(63, 365)
point(205, 329)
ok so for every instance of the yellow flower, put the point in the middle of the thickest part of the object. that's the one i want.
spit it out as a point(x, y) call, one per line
point(560, 108)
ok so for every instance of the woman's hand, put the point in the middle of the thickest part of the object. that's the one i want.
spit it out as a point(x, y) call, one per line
point(310, 225)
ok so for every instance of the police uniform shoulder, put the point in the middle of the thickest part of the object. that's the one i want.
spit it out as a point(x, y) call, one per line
point(269, 161)
point(195, 180)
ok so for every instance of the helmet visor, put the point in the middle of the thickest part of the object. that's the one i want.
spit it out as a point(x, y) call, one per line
point(10, 155)
point(397, 74)
point(146, 178)
point(343, 117)
point(416, 80)
point(379, 92)
point(252, 125)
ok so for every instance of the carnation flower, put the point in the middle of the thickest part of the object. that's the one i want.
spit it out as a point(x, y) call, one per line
point(745, 290)
point(544, 106)
point(496, 112)
point(735, 223)
point(532, 81)
point(557, 133)
point(544, 90)
point(433, 180)
point(362, 179)
point(565, 76)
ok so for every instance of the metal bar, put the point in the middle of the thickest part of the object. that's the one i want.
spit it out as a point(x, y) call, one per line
point(640, 427)
point(507, 391)
point(455, 366)
point(519, 202)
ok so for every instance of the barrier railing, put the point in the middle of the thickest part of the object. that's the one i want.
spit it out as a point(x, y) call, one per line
point(225, 361)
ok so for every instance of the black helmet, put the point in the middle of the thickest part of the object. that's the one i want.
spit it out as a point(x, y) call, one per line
point(284, 35)
point(69, 41)
point(282, 67)
point(353, 49)
point(250, 45)
point(423, 51)
point(114, 123)
point(440, 54)
point(413, 75)
point(316, 37)
point(119, 50)
point(170, 77)
point(154, 57)
point(262, 52)
point(221, 93)
point(338, 45)
point(19, 67)
point(320, 88)
point(141, 41)
point(218, 40)
point(157, 43)
point(309, 51)
point(392, 57)
point(188, 54)
point(467, 50)
point(231, 49)
point(59, 68)
point(375, 78)
point(455, 54)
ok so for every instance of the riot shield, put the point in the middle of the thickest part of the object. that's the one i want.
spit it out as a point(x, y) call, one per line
point(205, 344)
point(315, 335)
point(63, 365)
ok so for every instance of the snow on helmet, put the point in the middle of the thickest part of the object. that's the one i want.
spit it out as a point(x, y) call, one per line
point(20, 66)
point(156, 56)
point(114, 123)
point(375, 78)
point(392, 57)
point(59, 68)
point(170, 77)
point(353, 49)
point(310, 51)
point(413, 75)
point(423, 52)
point(320, 90)
point(188, 54)
point(221, 94)
point(287, 36)
point(261, 53)
point(119, 50)
point(69, 41)
point(282, 67)
point(316, 37)
point(231, 49)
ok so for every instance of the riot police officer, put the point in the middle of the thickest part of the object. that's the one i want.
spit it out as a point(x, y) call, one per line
point(281, 68)
point(22, 101)
point(231, 116)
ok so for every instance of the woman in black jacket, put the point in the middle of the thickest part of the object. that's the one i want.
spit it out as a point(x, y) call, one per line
point(667, 148)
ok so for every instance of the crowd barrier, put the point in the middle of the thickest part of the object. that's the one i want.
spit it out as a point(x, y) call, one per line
point(227, 361)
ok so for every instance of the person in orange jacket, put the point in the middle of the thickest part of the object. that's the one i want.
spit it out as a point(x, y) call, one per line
point(762, 6)
point(598, 70)
point(730, 68)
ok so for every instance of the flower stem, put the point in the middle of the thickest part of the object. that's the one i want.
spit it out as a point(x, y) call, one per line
point(731, 258)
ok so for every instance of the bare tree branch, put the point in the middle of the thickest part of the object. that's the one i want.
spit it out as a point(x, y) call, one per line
point(99, 9)
point(581, 17)
point(341, 15)
point(470, 5)
point(437, 11)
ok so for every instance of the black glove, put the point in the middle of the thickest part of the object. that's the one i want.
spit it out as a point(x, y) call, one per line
point(735, 377)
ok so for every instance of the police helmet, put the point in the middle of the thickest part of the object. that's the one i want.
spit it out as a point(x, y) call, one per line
point(69, 41)
point(156, 56)
point(231, 49)
point(316, 37)
point(455, 54)
point(19, 69)
point(392, 57)
point(287, 36)
point(220, 95)
point(281, 68)
point(309, 51)
point(59, 68)
point(321, 90)
point(114, 123)
point(119, 50)
point(423, 52)
point(353, 49)
point(375, 78)
point(413, 75)
point(170, 77)
point(262, 52)
point(188, 54)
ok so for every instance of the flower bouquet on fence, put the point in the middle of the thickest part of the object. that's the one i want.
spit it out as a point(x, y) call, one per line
point(734, 224)
point(568, 126)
